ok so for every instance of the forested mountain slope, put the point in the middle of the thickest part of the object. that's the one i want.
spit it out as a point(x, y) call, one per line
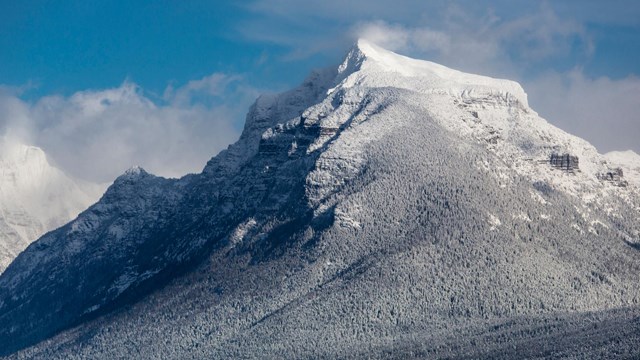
point(387, 208)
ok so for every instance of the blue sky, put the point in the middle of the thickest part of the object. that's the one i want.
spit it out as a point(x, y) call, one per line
point(66, 46)
point(194, 67)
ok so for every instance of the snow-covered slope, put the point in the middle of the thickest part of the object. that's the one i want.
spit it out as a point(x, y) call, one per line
point(389, 207)
point(491, 111)
point(35, 197)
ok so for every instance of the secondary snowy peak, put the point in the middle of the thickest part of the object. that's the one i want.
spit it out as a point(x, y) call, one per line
point(133, 173)
point(35, 197)
point(628, 158)
point(22, 165)
point(376, 67)
point(41, 189)
point(628, 161)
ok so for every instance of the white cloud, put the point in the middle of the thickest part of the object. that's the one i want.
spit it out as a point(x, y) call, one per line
point(213, 85)
point(483, 42)
point(531, 29)
point(604, 111)
point(391, 37)
point(97, 134)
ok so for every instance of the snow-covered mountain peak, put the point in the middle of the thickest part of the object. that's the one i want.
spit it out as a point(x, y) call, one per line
point(377, 66)
point(23, 169)
point(366, 66)
point(628, 157)
point(480, 110)
point(20, 153)
point(21, 163)
point(492, 113)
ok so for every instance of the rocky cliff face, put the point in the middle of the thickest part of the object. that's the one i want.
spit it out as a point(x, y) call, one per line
point(389, 207)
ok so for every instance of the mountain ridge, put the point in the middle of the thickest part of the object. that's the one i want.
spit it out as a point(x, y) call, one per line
point(367, 56)
point(365, 206)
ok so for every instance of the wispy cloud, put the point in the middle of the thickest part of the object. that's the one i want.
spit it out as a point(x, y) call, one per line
point(194, 91)
point(97, 134)
point(531, 28)
point(484, 42)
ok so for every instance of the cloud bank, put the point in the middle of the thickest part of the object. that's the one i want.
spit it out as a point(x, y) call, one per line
point(602, 110)
point(97, 134)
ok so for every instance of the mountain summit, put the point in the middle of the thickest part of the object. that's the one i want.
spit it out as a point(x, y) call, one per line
point(388, 207)
point(391, 69)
